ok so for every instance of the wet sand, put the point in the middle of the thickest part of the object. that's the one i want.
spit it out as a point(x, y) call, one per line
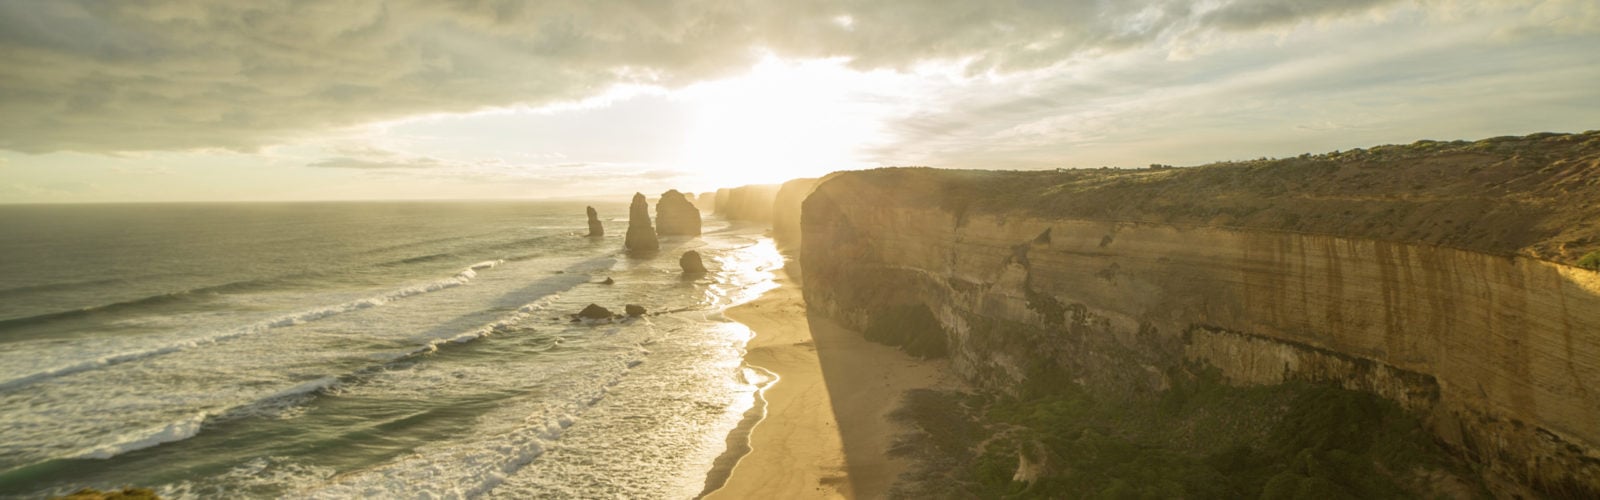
point(825, 431)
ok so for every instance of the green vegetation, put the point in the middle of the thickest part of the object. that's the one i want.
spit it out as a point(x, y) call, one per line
point(1501, 196)
point(1199, 440)
point(122, 494)
point(1591, 261)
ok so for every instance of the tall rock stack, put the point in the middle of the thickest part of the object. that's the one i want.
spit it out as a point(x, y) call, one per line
point(676, 216)
point(596, 230)
point(641, 237)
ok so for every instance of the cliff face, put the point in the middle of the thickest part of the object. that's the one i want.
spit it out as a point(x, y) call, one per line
point(786, 212)
point(1496, 350)
point(748, 203)
point(719, 200)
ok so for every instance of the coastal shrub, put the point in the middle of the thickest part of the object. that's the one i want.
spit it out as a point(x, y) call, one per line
point(1201, 439)
point(1591, 261)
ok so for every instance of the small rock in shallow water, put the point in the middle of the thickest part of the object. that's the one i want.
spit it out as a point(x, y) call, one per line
point(634, 310)
point(594, 311)
point(691, 263)
point(608, 281)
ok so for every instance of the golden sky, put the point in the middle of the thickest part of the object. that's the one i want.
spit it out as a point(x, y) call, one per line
point(222, 100)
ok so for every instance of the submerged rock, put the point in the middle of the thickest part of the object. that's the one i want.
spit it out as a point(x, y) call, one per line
point(641, 237)
point(676, 215)
point(691, 263)
point(609, 281)
point(594, 311)
point(634, 310)
point(596, 230)
point(126, 493)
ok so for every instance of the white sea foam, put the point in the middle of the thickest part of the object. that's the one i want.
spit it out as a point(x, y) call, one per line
point(501, 325)
point(475, 466)
point(175, 431)
point(287, 320)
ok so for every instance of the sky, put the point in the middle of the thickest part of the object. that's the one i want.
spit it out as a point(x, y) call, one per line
point(150, 101)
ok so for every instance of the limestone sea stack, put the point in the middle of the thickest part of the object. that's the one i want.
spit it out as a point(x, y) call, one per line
point(691, 263)
point(596, 230)
point(676, 215)
point(641, 237)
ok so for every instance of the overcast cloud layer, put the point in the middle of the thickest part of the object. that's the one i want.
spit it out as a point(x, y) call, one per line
point(150, 76)
point(147, 75)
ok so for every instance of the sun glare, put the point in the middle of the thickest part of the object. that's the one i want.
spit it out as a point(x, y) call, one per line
point(782, 121)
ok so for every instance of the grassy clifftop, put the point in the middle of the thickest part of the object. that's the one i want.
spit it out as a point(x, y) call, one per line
point(1536, 195)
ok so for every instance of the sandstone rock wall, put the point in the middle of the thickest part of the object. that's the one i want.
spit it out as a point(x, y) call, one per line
point(1500, 355)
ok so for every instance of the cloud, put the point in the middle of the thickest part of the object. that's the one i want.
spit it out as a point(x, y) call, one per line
point(1312, 90)
point(663, 174)
point(1254, 14)
point(184, 74)
point(379, 163)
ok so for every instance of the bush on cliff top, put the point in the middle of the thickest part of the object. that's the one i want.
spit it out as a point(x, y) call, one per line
point(1591, 261)
point(1503, 196)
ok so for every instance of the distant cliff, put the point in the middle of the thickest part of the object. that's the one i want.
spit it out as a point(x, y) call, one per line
point(786, 212)
point(1443, 276)
point(748, 203)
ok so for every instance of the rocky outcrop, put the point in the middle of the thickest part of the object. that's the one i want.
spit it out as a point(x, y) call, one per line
point(593, 311)
point(596, 230)
point(1121, 282)
point(641, 237)
point(676, 216)
point(691, 264)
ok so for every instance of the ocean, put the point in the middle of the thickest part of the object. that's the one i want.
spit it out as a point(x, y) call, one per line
point(365, 349)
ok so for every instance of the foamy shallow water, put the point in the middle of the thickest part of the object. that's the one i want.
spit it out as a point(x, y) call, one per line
point(439, 377)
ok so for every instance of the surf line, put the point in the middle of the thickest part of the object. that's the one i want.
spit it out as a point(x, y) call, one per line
point(739, 437)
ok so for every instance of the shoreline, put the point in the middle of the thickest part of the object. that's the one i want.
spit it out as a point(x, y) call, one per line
point(822, 428)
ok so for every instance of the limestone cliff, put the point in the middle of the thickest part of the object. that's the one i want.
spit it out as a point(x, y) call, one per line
point(641, 238)
point(719, 202)
point(786, 212)
point(676, 216)
point(748, 203)
point(1439, 275)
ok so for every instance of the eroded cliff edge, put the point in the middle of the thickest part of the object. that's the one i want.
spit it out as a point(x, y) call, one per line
point(1438, 275)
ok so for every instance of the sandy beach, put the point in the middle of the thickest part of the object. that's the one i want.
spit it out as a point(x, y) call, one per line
point(826, 432)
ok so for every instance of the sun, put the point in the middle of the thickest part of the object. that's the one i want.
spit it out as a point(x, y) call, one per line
point(782, 121)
